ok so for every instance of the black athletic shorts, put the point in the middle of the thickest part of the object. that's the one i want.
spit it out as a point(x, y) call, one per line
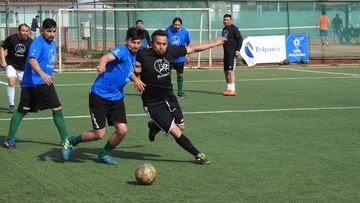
point(39, 97)
point(229, 62)
point(102, 109)
point(179, 67)
point(165, 113)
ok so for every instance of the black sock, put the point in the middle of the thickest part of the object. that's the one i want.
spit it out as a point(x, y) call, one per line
point(185, 143)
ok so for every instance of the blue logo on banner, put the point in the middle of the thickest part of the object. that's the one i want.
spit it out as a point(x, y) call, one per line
point(248, 50)
point(297, 48)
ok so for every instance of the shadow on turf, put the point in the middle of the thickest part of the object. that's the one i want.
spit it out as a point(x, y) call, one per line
point(202, 91)
point(2, 140)
point(81, 155)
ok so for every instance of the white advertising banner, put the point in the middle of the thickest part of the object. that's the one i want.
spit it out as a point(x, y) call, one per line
point(264, 49)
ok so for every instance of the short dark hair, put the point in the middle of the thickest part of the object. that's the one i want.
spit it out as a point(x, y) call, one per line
point(37, 16)
point(227, 16)
point(21, 25)
point(177, 19)
point(139, 21)
point(134, 33)
point(158, 33)
point(48, 23)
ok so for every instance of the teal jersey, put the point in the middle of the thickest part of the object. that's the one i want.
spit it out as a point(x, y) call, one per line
point(45, 54)
point(110, 84)
point(179, 38)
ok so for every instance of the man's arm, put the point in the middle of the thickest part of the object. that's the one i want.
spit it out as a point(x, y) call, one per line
point(36, 67)
point(193, 49)
point(239, 40)
point(3, 57)
point(103, 61)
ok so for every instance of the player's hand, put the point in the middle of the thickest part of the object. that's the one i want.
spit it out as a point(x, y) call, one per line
point(220, 40)
point(187, 61)
point(138, 84)
point(137, 69)
point(5, 65)
point(100, 69)
point(46, 78)
point(237, 53)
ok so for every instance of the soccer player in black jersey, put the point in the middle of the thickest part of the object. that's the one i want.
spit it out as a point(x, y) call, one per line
point(14, 52)
point(231, 47)
point(158, 98)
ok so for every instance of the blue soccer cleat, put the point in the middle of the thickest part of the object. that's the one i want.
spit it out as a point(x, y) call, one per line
point(10, 143)
point(67, 149)
point(107, 159)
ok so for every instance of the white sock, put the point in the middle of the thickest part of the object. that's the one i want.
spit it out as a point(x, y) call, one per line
point(11, 95)
point(228, 86)
point(232, 87)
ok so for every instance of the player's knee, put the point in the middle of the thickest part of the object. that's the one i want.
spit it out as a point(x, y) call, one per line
point(11, 82)
point(99, 135)
point(121, 130)
point(182, 127)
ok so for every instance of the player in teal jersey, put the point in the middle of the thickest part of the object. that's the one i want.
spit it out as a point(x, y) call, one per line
point(38, 92)
point(178, 36)
point(106, 99)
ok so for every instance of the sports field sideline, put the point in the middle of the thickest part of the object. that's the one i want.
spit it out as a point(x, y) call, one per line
point(291, 134)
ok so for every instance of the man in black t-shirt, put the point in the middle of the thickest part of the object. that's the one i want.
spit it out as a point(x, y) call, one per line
point(34, 26)
point(14, 52)
point(158, 98)
point(232, 48)
point(146, 41)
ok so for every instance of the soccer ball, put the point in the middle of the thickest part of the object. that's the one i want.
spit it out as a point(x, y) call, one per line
point(145, 174)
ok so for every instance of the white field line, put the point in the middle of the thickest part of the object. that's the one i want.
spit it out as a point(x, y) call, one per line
point(239, 80)
point(321, 72)
point(215, 112)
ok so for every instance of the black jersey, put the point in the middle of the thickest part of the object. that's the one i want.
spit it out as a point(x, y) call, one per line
point(156, 73)
point(234, 39)
point(17, 51)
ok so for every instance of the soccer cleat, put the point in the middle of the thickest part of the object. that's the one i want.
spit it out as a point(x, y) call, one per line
point(181, 94)
point(11, 108)
point(152, 131)
point(229, 93)
point(201, 159)
point(67, 149)
point(107, 159)
point(10, 143)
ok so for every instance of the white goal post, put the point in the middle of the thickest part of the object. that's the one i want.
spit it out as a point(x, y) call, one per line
point(64, 18)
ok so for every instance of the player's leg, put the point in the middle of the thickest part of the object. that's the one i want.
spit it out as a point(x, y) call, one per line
point(153, 127)
point(229, 68)
point(186, 144)
point(11, 76)
point(114, 140)
point(50, 100)
point(117, 118)
point(98, 110)
point(169, 119)
point(179, 67)
point(28, 102)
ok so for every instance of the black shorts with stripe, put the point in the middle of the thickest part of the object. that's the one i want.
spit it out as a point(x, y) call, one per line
point(165, 113)
point(102, 110)
point(39, 97)
point(229, 62)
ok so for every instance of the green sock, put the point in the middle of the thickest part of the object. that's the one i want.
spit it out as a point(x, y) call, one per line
point(15, 123)
point(74, 140)
point(180, 82)
point(107, 149)
point(60, 123)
